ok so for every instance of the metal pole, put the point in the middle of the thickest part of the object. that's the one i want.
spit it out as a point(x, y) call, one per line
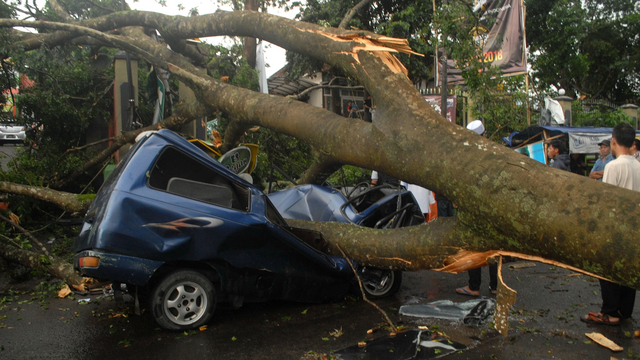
point(443, 88)
point(132, 101)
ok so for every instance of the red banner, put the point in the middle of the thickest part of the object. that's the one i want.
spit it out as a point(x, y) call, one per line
point(434, 101)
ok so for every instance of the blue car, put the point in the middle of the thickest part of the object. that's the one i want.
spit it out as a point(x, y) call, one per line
point(186, 233)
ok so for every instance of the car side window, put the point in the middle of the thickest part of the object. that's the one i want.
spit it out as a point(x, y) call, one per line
point(178, 173)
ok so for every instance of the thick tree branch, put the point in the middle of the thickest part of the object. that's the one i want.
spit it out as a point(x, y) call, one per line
point(508, 202)
point(60, 11)
point(352, 12)
point(323, 166)
point(28, 234)
point(73, 203)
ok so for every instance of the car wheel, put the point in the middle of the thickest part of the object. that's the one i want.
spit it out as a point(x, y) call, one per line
point(386, 284)
point(183, 300)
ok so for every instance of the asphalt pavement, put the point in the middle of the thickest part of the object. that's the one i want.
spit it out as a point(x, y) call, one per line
point(7, 152)
point(544, 324)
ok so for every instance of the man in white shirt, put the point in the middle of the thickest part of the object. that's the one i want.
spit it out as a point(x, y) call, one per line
point(624, 171)
point(423, 196)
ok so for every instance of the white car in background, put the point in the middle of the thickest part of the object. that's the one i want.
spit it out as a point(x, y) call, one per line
point(12, 133)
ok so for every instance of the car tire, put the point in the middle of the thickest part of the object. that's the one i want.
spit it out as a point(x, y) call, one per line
point(392, 281)
point(183, 300)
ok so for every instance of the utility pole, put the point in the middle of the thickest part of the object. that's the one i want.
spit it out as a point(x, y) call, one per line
point(443, 77)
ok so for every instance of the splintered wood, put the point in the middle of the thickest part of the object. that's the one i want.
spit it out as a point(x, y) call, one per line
point(380, 46)
point(505, 299)
point(466, 260)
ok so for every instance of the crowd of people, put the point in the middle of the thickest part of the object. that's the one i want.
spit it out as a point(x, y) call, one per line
point(366, 114)
point(617, 165)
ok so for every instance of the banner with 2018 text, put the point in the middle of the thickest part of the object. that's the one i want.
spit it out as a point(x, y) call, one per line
point(501, 31)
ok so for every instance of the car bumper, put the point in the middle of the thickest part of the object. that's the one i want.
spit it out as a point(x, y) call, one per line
point(115, 267)
point(12, 137)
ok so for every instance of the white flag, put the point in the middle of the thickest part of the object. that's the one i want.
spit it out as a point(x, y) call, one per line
point(260, 66)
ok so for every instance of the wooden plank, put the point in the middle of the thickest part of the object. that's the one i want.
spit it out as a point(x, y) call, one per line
point(602, 340)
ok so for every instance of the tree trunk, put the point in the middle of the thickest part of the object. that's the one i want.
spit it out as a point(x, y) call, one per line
point(249, 50)
point(506, 201)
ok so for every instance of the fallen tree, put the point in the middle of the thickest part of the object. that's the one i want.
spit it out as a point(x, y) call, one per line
point(507, 202)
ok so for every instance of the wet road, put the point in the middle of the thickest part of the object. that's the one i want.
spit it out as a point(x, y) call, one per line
point(7, 152)
point(544, 324)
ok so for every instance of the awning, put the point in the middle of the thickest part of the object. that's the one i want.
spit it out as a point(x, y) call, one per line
point(280, 85)
point(582, 140)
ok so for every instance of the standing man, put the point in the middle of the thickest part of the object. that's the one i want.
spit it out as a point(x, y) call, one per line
point(605, 157)
point(424, 198)
point(367, 109)
point(557, 151)
point(624, 171)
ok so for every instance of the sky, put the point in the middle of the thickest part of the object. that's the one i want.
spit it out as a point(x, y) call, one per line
point(274, 55)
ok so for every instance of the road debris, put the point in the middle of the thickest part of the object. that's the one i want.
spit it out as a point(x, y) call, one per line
point(473, 312)
point(506, 298)
point(522, 265)
point(602, 340)
point(336, 333)
point(64, 292)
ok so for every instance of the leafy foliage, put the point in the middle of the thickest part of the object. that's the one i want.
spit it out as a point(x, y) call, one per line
point(349, 175)
point(71, 89)
point(589, 116)
point(590, 48)
point(288, 154)
point(501, 102)
point(228, 62)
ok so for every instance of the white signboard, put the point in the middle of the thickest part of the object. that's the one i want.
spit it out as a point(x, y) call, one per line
point(586, 143)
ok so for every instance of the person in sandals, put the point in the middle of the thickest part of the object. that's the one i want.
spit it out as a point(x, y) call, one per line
point(624, 171)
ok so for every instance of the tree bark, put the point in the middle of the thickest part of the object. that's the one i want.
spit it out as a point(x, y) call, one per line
point(323, 166)
point(507, 201)
point(249, 50)
point(69, 202)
